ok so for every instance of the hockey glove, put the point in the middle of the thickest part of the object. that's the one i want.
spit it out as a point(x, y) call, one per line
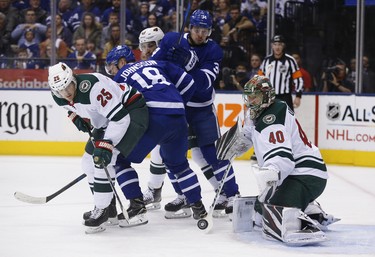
point(80, 123)
point(182, 57)
point(267, 180)
point(102, 153)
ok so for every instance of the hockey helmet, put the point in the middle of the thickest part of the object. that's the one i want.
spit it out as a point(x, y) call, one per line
point(118, 52)
point(154, 34)
point(201, 18)
point(59, 77)
point(258, 94)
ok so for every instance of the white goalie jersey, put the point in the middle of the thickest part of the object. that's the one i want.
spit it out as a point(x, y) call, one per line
point(281, 144)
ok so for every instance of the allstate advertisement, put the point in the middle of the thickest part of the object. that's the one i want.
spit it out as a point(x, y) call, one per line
point(346, 122)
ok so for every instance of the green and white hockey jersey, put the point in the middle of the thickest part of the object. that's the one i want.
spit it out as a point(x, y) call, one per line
point(281, 144)
point(105, 103)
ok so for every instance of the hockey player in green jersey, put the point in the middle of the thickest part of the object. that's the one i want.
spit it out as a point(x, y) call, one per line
point(290, 174)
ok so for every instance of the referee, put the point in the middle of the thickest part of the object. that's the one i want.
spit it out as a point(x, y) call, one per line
point(283, 72)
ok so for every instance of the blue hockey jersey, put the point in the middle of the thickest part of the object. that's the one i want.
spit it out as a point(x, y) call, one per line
point(166, 87)
point(204, 73)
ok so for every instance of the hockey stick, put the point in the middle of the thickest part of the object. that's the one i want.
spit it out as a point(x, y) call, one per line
point(206, 223)
point(41, 200)
point(184, 22)
point(125, 213)
point(230, 145)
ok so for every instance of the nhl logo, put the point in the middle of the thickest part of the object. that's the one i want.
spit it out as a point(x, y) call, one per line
point(282, 69)
point(333, 111)
point(84, 86)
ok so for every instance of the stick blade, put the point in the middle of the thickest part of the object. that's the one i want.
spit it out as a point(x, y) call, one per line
point(29, 199)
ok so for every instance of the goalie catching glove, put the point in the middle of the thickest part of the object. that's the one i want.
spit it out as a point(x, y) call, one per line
point(80, 123)
point(182, 57)
point(102, 154)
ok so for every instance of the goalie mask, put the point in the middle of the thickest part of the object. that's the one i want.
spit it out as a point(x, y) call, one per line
point(118, 52)
point(59, 78)
point(154, 34)
point(258, 94)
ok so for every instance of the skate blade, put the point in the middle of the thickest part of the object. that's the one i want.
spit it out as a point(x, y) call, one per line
point(94, 230)
point(219, 214)
point(153, 206)
point(180, 214)
point(138, 220)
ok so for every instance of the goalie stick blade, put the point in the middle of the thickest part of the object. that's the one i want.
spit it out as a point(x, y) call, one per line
point(29, 199)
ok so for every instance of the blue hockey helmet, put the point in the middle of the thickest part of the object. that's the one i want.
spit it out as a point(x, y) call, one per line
point(118, 52)
point(201, 18)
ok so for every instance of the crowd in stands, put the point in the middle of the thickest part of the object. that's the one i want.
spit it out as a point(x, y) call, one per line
point(88, 29)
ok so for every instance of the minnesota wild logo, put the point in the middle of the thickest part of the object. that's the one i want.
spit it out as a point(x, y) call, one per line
point(84, 86)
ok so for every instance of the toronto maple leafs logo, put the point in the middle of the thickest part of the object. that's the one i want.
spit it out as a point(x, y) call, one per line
point(333, 111)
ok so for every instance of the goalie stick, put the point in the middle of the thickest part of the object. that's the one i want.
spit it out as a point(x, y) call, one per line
point(44, 199)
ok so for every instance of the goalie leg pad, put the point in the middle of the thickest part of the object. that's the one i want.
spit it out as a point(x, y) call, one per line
point(284, 224)
point(243, 212)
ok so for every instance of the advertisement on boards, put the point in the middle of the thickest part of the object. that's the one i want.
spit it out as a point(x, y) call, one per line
point(347, 122)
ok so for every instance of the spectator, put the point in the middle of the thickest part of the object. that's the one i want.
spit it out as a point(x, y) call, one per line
point(4, 35)
point(113, 18)
point(62, 49)
point(85, 6)
point(40, 13)
point(334, 79)
point(89, 30)
point(114, 39)
point(65, 9)
point(258, 37)
point(11, 13)
point(141, 19)
point(23, 60)
point(169, 22)
point(368, 77)
point(18, 34)
point(237, 29)
point(83, 59)
point(307, 80)
point(62, 31)
point(116, 4)
point(222, 13)
point(237, 80)
point(283, 72)
point(255, 62)
point(30, 44)
point(152, 21)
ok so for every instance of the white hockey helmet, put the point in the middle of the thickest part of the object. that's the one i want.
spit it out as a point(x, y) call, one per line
point(153, 34)
point(60, 76)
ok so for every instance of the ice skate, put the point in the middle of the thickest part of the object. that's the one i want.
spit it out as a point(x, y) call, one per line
point(177, 209)
point(199, 212)
point(219, 209)
point(112, 214)
point(152, 198)
point(136, 214)
point(316, 213)
point(96, 222)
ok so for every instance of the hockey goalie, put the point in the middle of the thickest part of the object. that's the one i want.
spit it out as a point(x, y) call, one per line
point(290, 173)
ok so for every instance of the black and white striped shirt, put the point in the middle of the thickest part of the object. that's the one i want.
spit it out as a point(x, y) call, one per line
point(284, 74)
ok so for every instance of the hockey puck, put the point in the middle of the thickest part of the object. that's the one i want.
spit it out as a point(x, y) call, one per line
point(202, 224)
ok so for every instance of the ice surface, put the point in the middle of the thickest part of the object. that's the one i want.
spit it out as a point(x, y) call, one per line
point(54, 229)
